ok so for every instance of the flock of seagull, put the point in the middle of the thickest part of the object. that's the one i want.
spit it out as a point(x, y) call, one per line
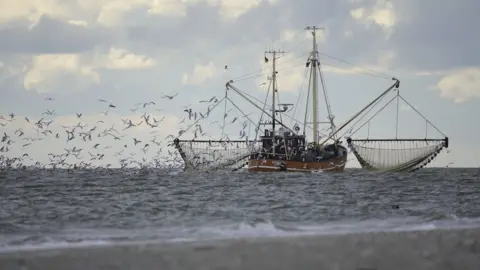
point(145, 142)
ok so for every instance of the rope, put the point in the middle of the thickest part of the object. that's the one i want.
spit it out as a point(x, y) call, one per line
point(382, 75)
point(244, 114)
point(422, 116)
point(368, 121)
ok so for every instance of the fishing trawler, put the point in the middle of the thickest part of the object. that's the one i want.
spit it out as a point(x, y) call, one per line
point(287, 148)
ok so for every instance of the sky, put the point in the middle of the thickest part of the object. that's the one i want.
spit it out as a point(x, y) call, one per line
point(136, 51)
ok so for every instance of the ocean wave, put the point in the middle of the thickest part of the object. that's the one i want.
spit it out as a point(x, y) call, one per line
point(243, 230)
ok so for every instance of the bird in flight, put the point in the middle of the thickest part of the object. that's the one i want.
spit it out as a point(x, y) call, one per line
point(170, 97)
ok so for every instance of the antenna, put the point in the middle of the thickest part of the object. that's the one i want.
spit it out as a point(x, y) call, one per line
point(274, 87)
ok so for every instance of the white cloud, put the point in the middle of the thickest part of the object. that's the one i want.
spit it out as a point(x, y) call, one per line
point(32, 10)
point(122, 59)
point(176, 8)
point(200, 74)
point(78, 23)
point(106, 12)
point(232, 9)
point(461, 86)
point(357, 13)
point(111, 11)
point(381, 14)
point(48, 70)
point(291, 80)
point(433, 73)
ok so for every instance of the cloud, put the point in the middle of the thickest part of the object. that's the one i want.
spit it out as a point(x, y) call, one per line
point(436, 34)
point(169, 7)
point(50, 36)
point(357, 13)
point(32, 10)
point(461, 86)
point(232, 9)
point(122, 59)
point(291, 79)
point(78, 22)
point(111, 12)
point(381, 14)
point(201, 73)
point(47, 71)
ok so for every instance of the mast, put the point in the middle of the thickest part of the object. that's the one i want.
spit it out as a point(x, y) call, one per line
point(274, 88)
point(313, 73)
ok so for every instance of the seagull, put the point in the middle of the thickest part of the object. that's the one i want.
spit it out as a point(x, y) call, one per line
point(148, 103)
point(450, 163)
point(130, 124)
point(170, 97)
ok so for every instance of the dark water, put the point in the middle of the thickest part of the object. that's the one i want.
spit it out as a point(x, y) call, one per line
point(58, 208)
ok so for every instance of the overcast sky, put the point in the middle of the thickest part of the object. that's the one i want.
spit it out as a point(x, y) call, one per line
point(132, 51)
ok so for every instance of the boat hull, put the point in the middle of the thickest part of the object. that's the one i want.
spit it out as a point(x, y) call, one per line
point(336, 164)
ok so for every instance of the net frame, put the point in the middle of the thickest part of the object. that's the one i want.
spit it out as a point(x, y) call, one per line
point(392, 155)
point(210, 155)
point(409, 155)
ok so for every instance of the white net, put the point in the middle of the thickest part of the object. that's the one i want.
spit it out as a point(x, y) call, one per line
point(395, 155)
point(215, 155)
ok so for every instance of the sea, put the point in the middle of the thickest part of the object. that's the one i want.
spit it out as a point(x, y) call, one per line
point(60, 209)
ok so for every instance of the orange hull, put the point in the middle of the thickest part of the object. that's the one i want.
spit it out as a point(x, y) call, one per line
point(273, 165)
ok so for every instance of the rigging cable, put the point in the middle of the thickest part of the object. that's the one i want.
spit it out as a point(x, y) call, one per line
point(225, 112)
point(300, 95)
point(263, 111)
point(368, 121)
point(327, 102)
point(363, 115)
point(269, 107)
point(386, 76)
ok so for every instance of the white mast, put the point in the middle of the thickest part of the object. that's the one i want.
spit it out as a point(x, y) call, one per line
point(313, 70)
